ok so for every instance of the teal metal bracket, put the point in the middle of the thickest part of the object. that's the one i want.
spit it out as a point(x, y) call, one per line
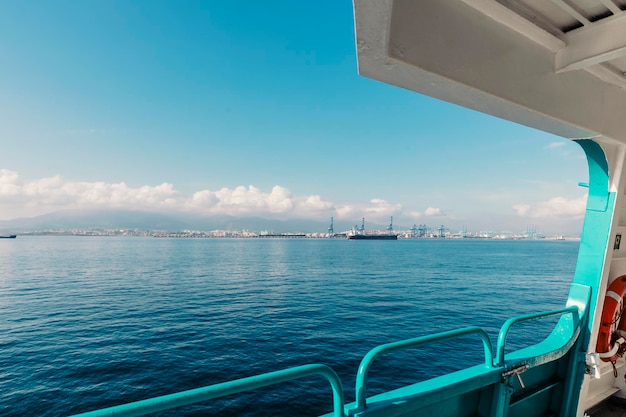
point(179, 399)
point(361, 379)
point(598, 175)
point(558, 346)
point(596, 228)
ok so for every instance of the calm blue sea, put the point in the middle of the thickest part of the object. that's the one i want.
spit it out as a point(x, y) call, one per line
point(91, 322)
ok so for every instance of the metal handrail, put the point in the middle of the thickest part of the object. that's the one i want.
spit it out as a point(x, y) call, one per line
point(573, 310)
point(167, 402)
point(367, 361)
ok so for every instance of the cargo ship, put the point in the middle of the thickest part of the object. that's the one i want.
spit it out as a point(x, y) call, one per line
point(8, 236)
point(362, 234)
point(373, 236)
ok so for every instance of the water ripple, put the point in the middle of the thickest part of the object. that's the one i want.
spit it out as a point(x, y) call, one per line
point(93, 322)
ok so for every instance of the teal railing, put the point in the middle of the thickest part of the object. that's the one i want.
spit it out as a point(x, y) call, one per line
point(552, 348)
point(179, 399)
point(361, 379)
point(565, 339)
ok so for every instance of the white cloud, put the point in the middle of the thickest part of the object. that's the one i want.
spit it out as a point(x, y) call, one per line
point(567, 149)
point(555, 207)
point(556, 145)
point(243, 200)
point(429, 212)
point(9, 183)
point(432, 211)
point(381, 207)
point(20, 197)
point(43, 195)
point(375, 210)
point(313, 203)
point(346, 211)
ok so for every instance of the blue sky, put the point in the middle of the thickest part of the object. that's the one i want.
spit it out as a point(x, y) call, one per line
point(251, 108)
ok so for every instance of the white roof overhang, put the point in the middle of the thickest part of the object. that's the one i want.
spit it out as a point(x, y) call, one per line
point(555, 65)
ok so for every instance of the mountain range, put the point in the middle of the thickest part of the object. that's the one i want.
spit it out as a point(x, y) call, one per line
point(122, 219)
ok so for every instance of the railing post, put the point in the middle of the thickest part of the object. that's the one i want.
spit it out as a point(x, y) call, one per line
point(361, 379)
point(504, 331)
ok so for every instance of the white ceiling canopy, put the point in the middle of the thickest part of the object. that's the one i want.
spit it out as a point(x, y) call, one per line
point(557, 65)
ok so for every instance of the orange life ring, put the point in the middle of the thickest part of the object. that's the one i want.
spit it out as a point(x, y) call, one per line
point(609, 344)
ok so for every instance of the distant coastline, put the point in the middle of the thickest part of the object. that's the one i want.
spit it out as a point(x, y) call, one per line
point(238, 234)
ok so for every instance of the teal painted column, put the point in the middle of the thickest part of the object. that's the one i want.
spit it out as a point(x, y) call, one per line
point(596, 227)
point(589, 266)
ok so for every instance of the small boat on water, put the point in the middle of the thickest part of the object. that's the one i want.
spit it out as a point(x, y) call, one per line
point(8, 236)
